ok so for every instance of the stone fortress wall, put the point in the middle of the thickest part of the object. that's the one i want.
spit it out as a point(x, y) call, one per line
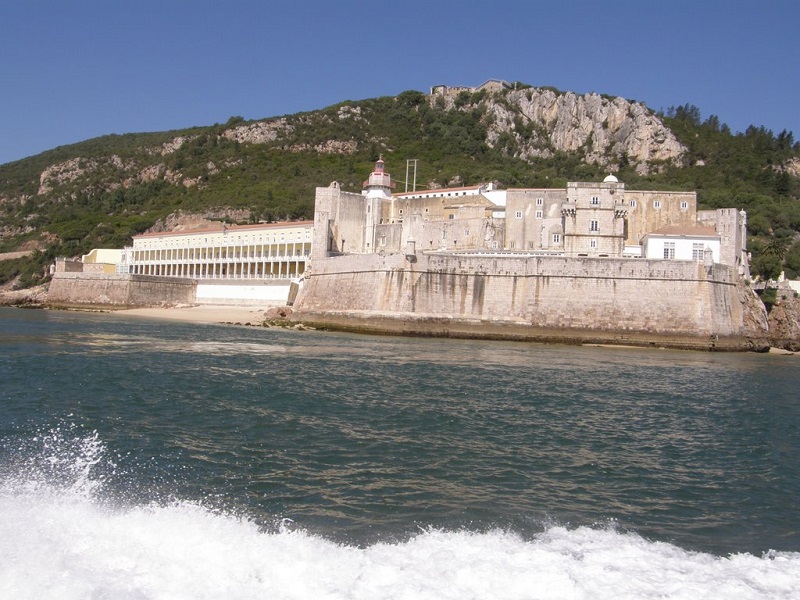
point(118, 290)
point(559, 265)
point(671, 303)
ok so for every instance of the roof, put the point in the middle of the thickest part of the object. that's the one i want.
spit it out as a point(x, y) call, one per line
point(442, 190)
point(228, 228)
point(684, 231)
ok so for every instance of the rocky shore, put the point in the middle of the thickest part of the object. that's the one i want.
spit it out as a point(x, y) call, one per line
point(33, 297)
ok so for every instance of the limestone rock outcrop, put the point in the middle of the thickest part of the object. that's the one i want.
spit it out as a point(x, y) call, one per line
point(541, 122)
point(186, 221)
point(784, 321)
point(260, 132)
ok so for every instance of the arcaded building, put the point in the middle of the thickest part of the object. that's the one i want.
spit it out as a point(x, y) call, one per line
point(262, 251)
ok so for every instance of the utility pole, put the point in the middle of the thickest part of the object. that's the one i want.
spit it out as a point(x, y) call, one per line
point(411, 163)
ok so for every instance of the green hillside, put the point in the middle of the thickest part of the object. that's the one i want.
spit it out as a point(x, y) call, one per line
point(100, 192)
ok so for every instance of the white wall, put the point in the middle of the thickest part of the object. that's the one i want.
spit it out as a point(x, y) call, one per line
point(654, 247)
point(249, 294)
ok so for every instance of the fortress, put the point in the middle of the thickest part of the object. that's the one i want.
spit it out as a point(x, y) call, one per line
point(588, 263)
point(593, 263)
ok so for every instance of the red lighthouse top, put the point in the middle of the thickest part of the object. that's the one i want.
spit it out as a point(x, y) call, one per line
point(379, 182)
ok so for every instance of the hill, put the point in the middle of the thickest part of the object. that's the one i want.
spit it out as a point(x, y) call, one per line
point(102, 191)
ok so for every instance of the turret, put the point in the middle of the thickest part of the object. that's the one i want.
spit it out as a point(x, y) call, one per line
point(379, 184)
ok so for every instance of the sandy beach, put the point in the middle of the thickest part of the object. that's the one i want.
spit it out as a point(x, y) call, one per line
point(253, 315)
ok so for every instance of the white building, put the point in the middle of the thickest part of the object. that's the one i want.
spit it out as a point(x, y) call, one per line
point(682, 243)
point(262, 251)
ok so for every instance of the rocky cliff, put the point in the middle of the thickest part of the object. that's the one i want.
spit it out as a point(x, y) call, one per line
point(784, 320)
point(539, 122)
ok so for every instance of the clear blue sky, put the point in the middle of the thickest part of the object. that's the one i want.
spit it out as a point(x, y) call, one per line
point(73, 70)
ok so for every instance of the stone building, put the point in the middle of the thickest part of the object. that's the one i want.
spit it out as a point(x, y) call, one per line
point(601, 220)
point(589, 263)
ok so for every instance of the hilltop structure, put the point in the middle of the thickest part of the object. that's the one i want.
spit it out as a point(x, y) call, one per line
point(590, 262)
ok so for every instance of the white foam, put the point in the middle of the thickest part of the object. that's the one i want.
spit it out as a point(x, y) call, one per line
point(61, 545)
point(60, 539)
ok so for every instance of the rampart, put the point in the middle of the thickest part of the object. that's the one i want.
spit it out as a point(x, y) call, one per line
point(75, 289)
point(539, 298)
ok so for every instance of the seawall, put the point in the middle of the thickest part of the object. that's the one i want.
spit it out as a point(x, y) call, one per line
point(667, 303)
point(96, 289)
point(69, 289)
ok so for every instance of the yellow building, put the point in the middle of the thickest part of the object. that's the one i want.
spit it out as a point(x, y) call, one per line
point(102, 260)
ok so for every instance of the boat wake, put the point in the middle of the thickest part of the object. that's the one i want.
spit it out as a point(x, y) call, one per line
point(62, 536)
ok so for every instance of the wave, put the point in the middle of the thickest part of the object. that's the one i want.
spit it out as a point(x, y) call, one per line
point(61, 536)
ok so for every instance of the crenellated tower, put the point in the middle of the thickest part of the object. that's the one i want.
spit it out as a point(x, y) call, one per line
point(594, 216)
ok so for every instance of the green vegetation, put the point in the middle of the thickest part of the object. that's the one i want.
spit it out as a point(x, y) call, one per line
point(746, 171)
point(103, 197)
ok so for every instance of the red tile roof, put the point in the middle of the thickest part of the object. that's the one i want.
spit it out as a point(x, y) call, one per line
point(696, 231)
point(228, 228)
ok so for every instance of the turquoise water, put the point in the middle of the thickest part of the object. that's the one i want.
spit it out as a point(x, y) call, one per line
point(144, 459)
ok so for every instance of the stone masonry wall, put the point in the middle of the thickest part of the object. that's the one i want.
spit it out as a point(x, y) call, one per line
point(554, 298)
point(118, 290)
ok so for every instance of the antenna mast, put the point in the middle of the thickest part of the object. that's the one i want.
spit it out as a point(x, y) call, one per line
point(411, 163)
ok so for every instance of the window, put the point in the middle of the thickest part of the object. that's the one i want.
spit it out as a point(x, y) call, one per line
point(466, 232)
point(657, 204)
point(633, 203)
point(530, 246)
point(518, 214)
point(383, 240)
point(595, 200)
point(444, 234)
point(594, 226)
point(401, 211)
point(451, 216)
point(684, 205)
point(669, 250)
point(697, 251)
point(513, 245)
point(539, 214)
point(539, 201)
point(592, 243)
point(556, 238)
point(494, 245)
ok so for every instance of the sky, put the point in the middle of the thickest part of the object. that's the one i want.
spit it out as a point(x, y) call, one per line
point(74, 70)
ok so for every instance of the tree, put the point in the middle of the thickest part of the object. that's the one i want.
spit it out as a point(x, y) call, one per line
point(758, 225)
point(792, 261)
point(766, 267)
point(776, 246)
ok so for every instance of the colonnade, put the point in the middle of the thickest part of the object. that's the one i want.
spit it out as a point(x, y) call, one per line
point(284, 260)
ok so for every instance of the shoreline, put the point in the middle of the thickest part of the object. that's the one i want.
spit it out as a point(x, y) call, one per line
point(257, 316)
point(222, 315)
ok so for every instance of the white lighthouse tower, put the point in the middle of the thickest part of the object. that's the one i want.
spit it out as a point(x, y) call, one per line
point(379, 184)
point(378, 192)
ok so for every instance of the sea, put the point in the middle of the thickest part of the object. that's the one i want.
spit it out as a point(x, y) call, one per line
point(148, 459)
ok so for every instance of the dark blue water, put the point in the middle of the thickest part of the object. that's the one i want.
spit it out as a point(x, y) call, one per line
point(378, 442)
